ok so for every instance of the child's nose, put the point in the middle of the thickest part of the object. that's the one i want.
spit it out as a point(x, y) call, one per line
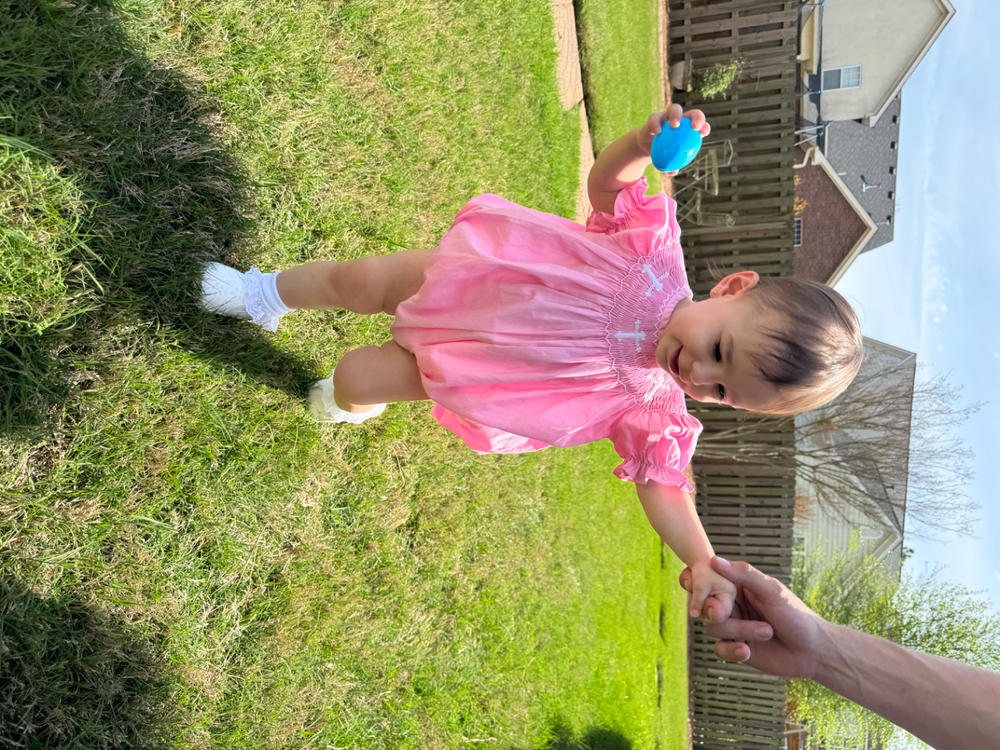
point(703, 373)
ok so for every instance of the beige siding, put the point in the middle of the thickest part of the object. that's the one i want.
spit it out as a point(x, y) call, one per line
point(828, 532)
point(824, 530)
point(884, 38)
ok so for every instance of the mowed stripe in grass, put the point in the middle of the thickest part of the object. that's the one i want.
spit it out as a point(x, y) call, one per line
point(623, 84)
point(188, 559)
point(620, 63)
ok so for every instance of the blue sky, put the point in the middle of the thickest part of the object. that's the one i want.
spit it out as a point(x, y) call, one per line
point(935, 289)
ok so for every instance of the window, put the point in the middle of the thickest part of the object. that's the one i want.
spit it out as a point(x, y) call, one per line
point(890, 195)
point(797, 233)
point(892, 144)
point(848, 77)
point(892, 170)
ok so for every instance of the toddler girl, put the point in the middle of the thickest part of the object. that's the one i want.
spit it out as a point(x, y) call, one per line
point(529, 330)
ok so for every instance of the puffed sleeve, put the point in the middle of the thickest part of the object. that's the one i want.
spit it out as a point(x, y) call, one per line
point(655, 446)
point(647, 223)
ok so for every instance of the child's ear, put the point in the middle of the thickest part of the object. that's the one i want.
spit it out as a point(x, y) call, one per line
point(735, 283)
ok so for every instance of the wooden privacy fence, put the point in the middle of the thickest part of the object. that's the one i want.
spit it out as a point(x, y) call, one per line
point(747, 511)
point(736, 207)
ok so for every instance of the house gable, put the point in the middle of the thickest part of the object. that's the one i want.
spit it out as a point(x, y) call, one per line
point(886, 39)
point(834, 226)
point(889, 370)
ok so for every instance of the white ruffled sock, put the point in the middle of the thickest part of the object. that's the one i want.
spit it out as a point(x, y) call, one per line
point(325, 409)
point(252, 295)
point(265, 299)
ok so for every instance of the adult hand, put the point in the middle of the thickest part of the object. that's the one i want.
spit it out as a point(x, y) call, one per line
point(945, 703)
point(770, 628)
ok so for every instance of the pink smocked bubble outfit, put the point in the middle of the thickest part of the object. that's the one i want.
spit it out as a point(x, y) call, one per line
point(531, 330)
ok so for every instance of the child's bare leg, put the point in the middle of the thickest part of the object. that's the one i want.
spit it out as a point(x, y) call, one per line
point(376, 374)
point(367, 285)
point(364, 380)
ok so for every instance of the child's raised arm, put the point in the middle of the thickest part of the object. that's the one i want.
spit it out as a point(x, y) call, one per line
point(623, 162)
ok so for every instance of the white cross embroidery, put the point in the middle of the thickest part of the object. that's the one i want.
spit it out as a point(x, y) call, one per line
point(636, 336)
point(648, 270)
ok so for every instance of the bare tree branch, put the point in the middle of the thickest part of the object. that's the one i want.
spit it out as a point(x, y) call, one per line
point(886, 446)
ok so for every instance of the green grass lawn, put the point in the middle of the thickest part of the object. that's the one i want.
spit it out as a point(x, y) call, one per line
point(186, 559)
point(620, 63)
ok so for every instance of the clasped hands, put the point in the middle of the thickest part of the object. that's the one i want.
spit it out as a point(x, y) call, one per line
point(760, 623)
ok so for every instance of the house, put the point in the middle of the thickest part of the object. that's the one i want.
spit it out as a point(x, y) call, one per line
point(846, 190)
point(887, 376)
point(855, 55)
point(865, 158)
point(832, 227)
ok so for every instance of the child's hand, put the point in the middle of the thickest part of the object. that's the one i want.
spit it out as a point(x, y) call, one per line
point(672, 116)
point(712, 595)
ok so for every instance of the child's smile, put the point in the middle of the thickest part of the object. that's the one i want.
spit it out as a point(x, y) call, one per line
point(708, 348)
point(673, 367)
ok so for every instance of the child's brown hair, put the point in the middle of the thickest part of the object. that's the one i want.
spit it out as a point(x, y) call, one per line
point(819, 349)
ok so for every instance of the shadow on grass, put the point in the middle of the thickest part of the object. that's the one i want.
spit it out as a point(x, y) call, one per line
point(595, 738)
point(163, 197)
point(70, 677)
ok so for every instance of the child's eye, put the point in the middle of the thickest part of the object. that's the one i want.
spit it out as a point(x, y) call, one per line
point(718, 351)
point(721, 391)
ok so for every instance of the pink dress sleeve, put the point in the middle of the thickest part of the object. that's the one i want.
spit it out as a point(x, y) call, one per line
point(655, 446)
point(647, 223)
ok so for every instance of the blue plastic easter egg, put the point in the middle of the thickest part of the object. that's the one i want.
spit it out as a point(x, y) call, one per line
point(675, 148)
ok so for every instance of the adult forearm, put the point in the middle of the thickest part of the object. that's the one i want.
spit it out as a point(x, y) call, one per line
point(617, 167)
point(945, 703)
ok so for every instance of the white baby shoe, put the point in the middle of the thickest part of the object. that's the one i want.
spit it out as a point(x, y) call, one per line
point(248, 296)
point(325, 409)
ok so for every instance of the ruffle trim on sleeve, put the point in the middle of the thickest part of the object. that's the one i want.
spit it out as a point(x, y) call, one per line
point(657, 450)
point(633, 208)
point(640, 471)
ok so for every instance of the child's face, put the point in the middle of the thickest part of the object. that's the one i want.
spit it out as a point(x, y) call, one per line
point(707, 346)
